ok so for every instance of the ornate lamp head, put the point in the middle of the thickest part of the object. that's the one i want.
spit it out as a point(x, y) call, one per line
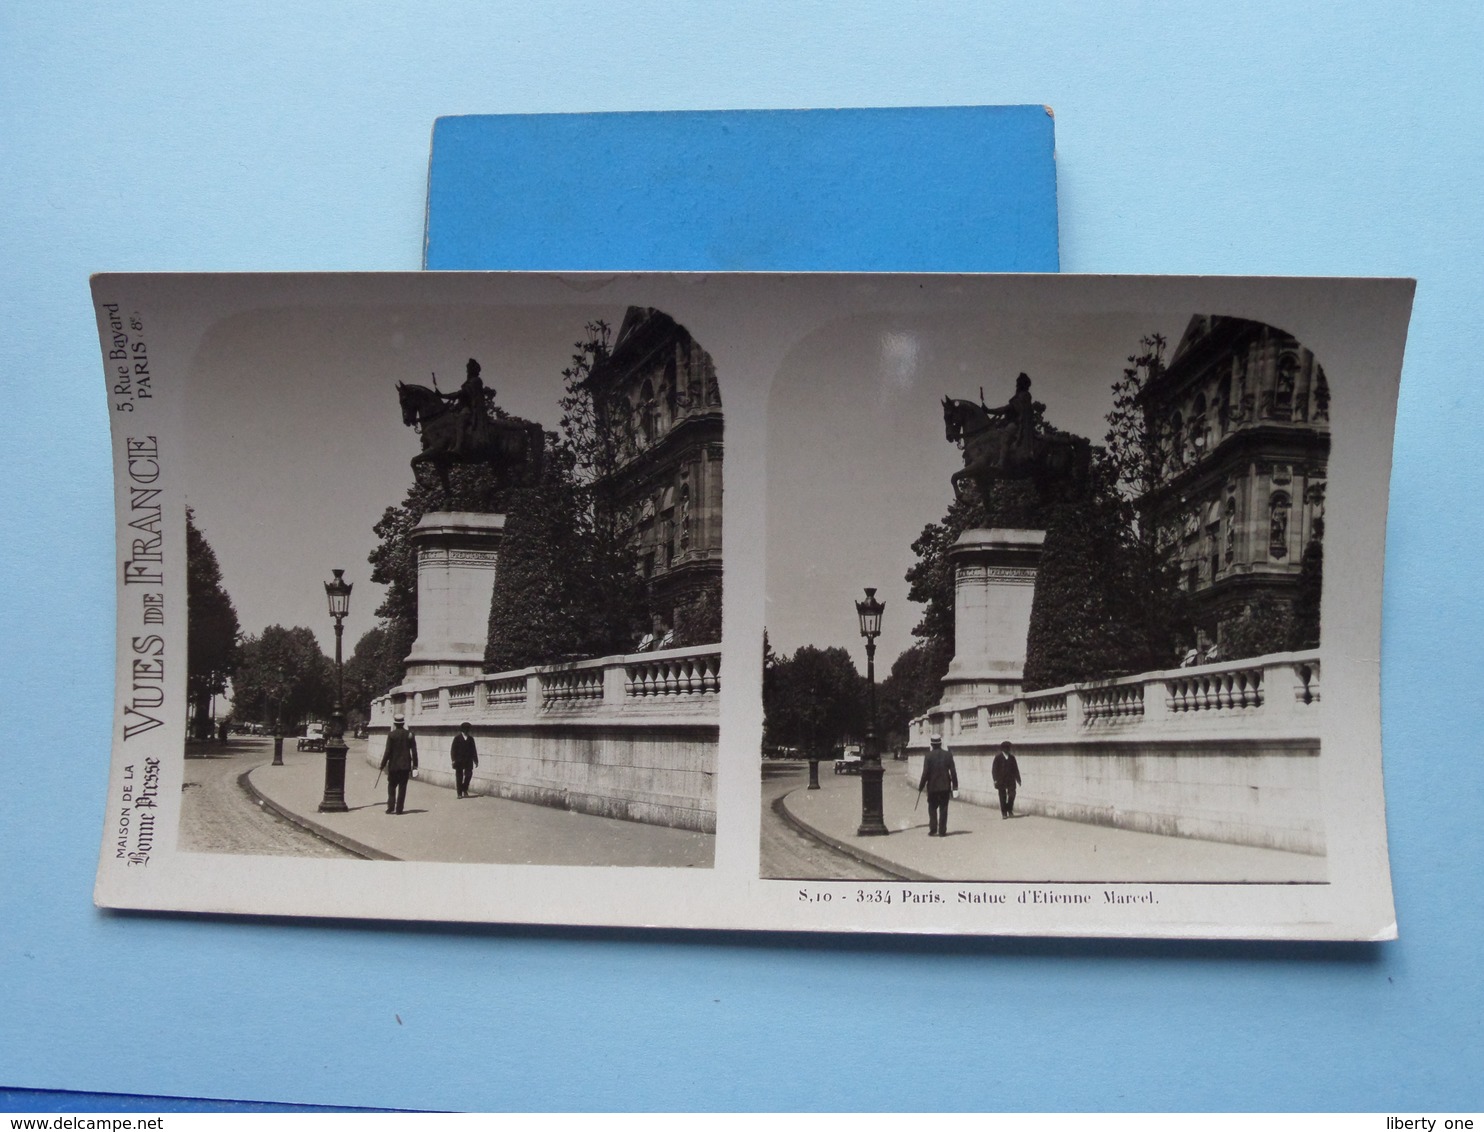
point(338, 595)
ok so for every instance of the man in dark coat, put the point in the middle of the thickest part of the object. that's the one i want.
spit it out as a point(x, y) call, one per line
point(399, 760)
point(465, 758)
point(940, 779)
point(1006, 774)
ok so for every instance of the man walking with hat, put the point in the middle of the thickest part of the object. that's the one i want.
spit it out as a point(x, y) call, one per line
point(465, 757)
point(940, 778)
point(399, 760)
point(1006, 774)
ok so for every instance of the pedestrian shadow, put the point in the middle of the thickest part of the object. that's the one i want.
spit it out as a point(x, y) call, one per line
point(958, 833)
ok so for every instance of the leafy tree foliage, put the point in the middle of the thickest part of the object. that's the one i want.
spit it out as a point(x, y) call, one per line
point(562, 591)
point(374, 667)
point(698, 621)
point(813, 700)
point(1304, 633)
point(914, 684)
point(568, 585)
point(1136, 453)
point(211, 628)
point(283, 670)
point(592, 426)
point(1088, 615)
point(1108, 598)
point(1264, 626)
point(1151, 606)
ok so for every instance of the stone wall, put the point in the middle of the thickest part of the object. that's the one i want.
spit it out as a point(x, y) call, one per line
point(632, 737)
point(1226, 752)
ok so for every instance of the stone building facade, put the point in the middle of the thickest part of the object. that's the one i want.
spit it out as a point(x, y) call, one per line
point(1243, 411)
point(656, 395)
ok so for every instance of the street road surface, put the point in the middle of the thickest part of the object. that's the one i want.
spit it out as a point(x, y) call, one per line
point(788, 854)
point(218, 816)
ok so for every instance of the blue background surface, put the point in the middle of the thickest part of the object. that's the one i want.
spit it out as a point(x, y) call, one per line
point(1243, 138)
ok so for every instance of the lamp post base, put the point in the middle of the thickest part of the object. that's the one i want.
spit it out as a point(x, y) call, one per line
point(334, 799)
point(813, 774)
point(873, 818)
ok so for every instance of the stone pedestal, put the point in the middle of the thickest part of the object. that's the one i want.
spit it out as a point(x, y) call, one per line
point(456, 556)
point(994, 581)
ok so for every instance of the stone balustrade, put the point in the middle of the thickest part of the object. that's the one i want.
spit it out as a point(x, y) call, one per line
point(1274, 694)
point(1225, 751)
point(632, 737)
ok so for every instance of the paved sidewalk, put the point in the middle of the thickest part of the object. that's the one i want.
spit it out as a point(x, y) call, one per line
point(983, 846)
point(439, 826)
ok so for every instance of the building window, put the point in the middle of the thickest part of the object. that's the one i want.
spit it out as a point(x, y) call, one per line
point(1229, 539)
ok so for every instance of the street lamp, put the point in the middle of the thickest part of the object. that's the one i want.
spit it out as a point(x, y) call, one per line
point(873, 821)
point(278, 719)
point(338, 595)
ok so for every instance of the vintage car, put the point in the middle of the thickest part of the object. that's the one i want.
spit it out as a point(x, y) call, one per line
point(850, 760)
point(313, 738)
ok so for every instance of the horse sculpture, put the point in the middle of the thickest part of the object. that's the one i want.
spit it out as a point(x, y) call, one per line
point(451, 437)
point(991, 452)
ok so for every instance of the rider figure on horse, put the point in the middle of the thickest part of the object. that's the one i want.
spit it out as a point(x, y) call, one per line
point(1018, 425)
point(470, 402)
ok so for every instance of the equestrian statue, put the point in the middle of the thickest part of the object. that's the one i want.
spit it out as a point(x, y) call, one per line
point(1003, 444)
point(458, 428)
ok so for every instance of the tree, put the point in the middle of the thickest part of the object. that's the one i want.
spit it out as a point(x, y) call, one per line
point(211, 628)
point(813, 700)
point(373, 668)
point(1086, 612)
point(1108, 597)
point(1304, 632)
point(1136, 452)
point(1154, 607)
point(569, 584)
point(698, 621)
point(562, 592)
point(914, 685)
point(1265, 625)
point(595, 424)
point(284, 674)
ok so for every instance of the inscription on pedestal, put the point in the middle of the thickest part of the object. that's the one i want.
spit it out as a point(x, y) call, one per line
point(435, 556)
point(1004, 575)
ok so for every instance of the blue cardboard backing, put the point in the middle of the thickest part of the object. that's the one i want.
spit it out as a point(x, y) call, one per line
point(959, 188)
point(1254, 138)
